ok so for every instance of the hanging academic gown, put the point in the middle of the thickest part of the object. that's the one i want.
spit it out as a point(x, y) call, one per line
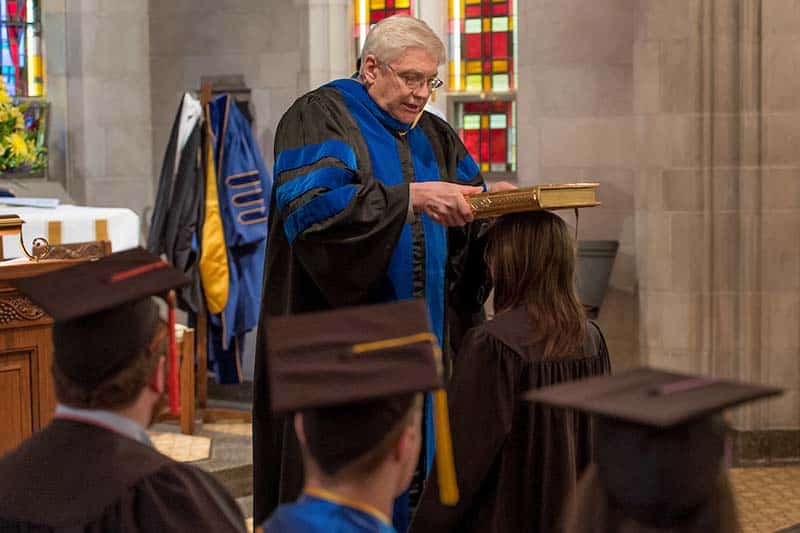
point(339, 237)
point(516, 462)
point(75, 476)
point(175, 221)
point(243, 192)
point(314, 514)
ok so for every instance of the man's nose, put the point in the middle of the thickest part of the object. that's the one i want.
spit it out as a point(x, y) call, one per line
point(423, 91)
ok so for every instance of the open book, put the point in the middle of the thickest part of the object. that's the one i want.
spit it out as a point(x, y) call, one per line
point(536, 198)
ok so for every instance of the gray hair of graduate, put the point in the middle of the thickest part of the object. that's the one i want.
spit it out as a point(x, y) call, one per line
point(390, 38)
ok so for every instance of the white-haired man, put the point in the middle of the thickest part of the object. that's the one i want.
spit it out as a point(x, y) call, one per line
point(368, 206)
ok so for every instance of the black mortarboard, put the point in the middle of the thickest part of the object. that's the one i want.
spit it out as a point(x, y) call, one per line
point(107, 304)
point(659, 443)
point(368, 361)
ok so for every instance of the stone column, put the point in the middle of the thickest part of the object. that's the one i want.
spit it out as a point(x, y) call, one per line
point(717, 201)
point(329, 54)
point(108, 123)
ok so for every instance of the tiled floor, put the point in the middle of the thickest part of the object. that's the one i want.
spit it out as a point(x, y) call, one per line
point(768, 499)
point(183, 448)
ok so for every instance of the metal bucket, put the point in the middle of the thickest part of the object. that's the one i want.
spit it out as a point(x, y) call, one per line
point(595, 261)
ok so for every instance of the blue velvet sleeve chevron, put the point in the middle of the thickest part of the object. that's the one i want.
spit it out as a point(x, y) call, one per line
point(333, 182)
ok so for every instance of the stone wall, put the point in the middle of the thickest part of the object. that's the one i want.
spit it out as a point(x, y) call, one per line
point(575, 103)
point(718, 214)
point(109, 151)
point(262, 40)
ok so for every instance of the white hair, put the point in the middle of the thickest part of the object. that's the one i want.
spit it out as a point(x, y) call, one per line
point(390, 38)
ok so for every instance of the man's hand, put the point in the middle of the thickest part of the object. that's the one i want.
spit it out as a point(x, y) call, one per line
point(443, 202)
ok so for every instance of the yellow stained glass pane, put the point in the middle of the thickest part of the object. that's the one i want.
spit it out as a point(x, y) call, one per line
point(474, 82)
point(377, 4)
point(402, 3)
point(472, 26)
point(456, 83)
point(484, 121)
point(473, 1)
point(487, 83)
point(487, 24)
point(499, 23)
point(473, 67)
point(484, 167)
point(511, 23)
point(472, 122)
point(500, 65)
point(500, 82)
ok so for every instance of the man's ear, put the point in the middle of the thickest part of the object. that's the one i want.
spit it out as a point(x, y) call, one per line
point(298, 428)
point(369, 69)
point(158, 379)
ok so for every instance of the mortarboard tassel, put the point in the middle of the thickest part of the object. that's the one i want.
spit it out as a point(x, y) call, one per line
point(174, 382)
point(445, 465)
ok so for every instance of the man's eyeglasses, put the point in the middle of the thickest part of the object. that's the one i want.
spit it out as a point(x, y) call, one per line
point(416, 81)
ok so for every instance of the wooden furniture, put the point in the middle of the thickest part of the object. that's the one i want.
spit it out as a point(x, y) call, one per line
point(27, 396)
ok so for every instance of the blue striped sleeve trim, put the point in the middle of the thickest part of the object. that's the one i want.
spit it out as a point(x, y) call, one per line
point(467, 169)
point(326, 177)
point(310, 154)
point(319, 209)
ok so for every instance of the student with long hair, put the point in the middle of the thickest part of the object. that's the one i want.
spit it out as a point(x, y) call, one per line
point(516, 462)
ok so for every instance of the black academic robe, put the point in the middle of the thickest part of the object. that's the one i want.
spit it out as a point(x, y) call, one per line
point(74, 476)
point(338, 237)
point(515, 461)
point(176, 215)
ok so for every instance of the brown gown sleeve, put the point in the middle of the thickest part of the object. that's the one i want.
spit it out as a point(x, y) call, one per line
point(482, 397)
point(183, 498)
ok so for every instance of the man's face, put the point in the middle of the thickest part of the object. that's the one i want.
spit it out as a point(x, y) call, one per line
point(388, 84)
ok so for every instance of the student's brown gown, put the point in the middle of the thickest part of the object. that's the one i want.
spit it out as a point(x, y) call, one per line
point(516, 462)
point(78, 477)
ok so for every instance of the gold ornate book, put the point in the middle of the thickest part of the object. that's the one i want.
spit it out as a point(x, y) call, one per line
point(536, 198)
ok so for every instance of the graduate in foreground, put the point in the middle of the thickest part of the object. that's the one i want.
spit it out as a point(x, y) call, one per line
point(93, 468)
point(354, 379)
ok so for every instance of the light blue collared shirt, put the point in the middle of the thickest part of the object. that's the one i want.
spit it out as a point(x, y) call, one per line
point(109, 419)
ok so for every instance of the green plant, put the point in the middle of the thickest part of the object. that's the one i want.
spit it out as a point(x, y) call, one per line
point(18, 146)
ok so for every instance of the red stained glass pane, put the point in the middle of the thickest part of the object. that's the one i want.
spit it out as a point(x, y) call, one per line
point(500, 45)
point(472, 139)
point(487, 66)
point(472, 11)
point(498, 144)
point(500, 9)
point(472, 45)
point(474, 107)
point(484, 145)
point(389, 4)
point(404, 11)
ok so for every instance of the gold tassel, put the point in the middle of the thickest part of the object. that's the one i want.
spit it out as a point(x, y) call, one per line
point(445, 465)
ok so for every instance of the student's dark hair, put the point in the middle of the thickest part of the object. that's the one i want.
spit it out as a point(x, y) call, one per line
point(532, 258)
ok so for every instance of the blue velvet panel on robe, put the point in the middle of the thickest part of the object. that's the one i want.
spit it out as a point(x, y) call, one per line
point(244, 187)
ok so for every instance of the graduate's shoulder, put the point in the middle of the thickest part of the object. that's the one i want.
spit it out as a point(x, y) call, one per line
point(185, 493)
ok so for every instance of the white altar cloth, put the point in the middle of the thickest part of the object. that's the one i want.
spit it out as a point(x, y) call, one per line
point(70, 223)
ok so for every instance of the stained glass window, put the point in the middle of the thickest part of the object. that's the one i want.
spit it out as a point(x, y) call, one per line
point(369, 12)
point(488, 130)
point(482, 45)
point(483, 80)
point(21, 62)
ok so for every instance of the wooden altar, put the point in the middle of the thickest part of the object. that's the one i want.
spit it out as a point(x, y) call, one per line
point(27, 396)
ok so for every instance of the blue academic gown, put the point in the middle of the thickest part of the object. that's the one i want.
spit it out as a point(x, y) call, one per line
point(312, 514)
point(244, 187)
point(339, 236)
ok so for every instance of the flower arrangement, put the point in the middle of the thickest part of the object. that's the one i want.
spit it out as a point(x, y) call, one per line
point(18, 147)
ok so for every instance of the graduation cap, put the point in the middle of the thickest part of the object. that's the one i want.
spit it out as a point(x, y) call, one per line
point(106, 303)
point(659, 441)
point(368, 361)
